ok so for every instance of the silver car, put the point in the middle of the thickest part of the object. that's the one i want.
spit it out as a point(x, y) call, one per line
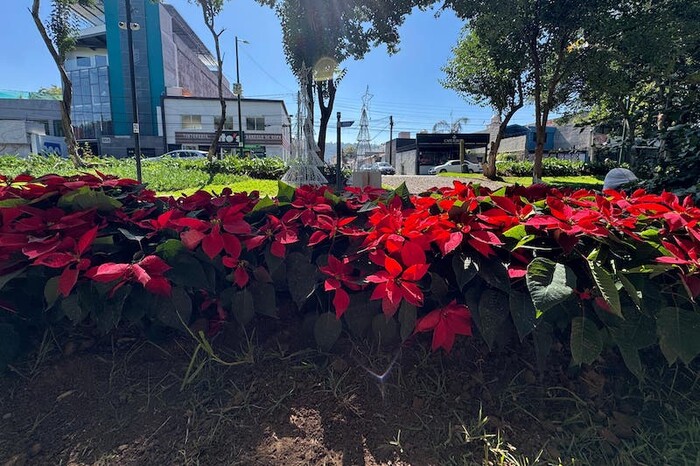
point(188, 154)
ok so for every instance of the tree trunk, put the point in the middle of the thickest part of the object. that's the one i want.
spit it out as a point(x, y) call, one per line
point(326, 111)
point(490, 166)
point(209, 15)
point(67, 89)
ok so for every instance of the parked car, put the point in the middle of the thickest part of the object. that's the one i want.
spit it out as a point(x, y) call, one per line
point(188, 154)
point(384, 167)
point(454, 167)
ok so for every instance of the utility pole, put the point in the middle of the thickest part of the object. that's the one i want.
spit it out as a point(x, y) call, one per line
point(338, 175)
point(239, 91)
point(134, 104)
point(391, 140)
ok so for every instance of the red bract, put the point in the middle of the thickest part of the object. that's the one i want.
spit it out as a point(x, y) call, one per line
point(148, 272)
point(69, 259)
point(327, 227)
point(209, 233)
point(447, 322)
point(395, 283)
point(281, 232)
point(311, 201)
point(339, 274)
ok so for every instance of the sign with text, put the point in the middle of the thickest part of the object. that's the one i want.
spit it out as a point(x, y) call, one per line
point(270, 139)
point(228, 139)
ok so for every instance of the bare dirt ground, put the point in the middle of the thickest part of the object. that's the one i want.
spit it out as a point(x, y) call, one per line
point(122, 401)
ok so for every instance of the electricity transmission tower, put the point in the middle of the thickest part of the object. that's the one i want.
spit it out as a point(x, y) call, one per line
point(363, 137)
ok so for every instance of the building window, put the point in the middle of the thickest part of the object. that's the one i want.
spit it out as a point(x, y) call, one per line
point(100, 60)
point(83, 61)
point(58, 128)
point(191, 121)
point(228, 125)
point(255, 124)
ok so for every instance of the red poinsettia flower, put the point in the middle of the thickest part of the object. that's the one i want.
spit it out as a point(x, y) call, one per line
point(148, 272)
point(339, 274)
point(447, 322)
point(281, 232)
point(209, 233)
point(395, 283)
point(69, 259)
point(327, 227)
point(311, 201)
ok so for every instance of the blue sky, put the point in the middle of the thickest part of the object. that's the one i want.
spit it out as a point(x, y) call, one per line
point(405, 85)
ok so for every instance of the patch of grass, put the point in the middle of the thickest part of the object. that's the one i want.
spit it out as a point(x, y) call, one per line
point(265, 187)
point(582, 181)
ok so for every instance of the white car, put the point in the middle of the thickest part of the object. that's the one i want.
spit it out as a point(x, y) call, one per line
point(187, 154)
point(454, 167)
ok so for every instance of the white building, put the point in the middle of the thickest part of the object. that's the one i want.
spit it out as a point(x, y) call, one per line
point(30, 125)
point(190, 123)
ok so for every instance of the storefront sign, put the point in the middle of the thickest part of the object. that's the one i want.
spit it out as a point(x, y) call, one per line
point(270, 139)
point(228, 139)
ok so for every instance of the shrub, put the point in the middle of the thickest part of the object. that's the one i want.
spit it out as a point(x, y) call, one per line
point(550, 167)
point(611, 270)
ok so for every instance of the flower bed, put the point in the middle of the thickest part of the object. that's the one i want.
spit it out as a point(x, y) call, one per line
point(604, 269)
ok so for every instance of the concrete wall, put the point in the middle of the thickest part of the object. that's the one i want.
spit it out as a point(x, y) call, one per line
point(273, 111)
point(405, 163)
point(515, 144)
point(572, 138)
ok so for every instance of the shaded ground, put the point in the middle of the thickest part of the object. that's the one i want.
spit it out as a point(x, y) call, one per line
point(119, 402)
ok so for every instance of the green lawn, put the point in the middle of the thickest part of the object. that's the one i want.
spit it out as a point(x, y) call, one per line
point(582, 181)
point(266, 188)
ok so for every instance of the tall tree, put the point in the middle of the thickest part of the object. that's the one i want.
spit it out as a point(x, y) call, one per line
point(319, 35)
point(551, 34)
point(210, 10)
point(59, 34)
point(488, 74)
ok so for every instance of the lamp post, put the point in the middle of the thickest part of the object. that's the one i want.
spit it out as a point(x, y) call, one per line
point(130, 26)
point(239, 91)
point(338, 175)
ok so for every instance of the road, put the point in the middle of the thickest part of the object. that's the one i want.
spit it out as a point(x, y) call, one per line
point(421, 183)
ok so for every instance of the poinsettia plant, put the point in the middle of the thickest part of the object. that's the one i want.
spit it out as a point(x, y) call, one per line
point(611, 268)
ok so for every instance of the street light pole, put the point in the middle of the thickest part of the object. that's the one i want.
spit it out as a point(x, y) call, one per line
point(239, 89)
point(134, 104)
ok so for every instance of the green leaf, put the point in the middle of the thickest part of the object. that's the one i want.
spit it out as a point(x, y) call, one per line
point(327, 330)
point(606, 285)
point(264, 203)
point(407, 318)
point(522, 310)
point(51, 291)
point(73, 310)
point(12, 202)
point(85, 198)
point(550, 283)
point(465, 269)
point(631, 290)
point(285, 193)
point(301, 277)
point(402, 192)
point(5, 279)
point(385, 330)
point(542, 338)
point(129, 235)
point(632, 360)
point(678, 331)
point(264, 300)
point(188, 271)
point(438, 289)
point(179, 303)
point(169, 249)
point(242, 306)
point(586, 342)
point(517, 232)
point(493, 312)
point(332, 197)
point(495, 273)
point(360, 313)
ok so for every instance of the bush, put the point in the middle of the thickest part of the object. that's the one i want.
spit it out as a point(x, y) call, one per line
point(616, 271)
point(550, 167)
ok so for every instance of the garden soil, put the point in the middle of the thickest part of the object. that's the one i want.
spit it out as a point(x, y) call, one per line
point(121, 401)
